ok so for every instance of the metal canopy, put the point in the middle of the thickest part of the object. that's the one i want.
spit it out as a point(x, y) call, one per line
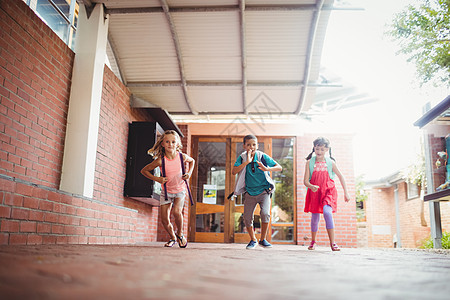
point(218, 57)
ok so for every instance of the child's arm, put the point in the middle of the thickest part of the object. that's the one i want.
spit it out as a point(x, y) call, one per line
point(191, 163)
point(342, 180)
point(239, 168)
point(306, 182)
point(275, 168)
point(151, 166)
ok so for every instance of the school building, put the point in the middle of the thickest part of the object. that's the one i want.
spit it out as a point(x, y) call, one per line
point(72, 128)
point(399, 213)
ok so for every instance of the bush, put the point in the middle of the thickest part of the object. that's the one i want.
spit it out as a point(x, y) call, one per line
point(428, 243)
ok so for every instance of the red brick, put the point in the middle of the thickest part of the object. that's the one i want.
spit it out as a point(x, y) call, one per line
point(62, 239)
point(17, 239)
point(51, 217)
point(23, 189)
point(45, 205)
point(27, 226)
point(36, 215)
point(30, 202)
point(20, 213)
point(4, 238)
point(44, 228)
point(34, 239)
point(7, 185)
point(5, 212)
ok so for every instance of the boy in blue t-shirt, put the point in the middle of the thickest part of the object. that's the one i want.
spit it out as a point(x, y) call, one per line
point(255, 166)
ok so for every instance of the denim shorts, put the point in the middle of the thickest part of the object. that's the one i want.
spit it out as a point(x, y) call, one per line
point(171, 197)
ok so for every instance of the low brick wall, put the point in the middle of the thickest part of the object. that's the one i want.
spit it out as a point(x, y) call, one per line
point(36, 214)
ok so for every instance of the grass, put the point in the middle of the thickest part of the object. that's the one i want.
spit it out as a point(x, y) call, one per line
point(428, 243)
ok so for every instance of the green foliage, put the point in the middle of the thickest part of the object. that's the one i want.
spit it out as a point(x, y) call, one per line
point(361, 194)
point(423, 34)
point(284, 186)
point(361, 197)
point(415, 173)
point(428, 243)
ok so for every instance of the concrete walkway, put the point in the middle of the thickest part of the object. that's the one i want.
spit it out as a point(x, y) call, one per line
point(220, 271)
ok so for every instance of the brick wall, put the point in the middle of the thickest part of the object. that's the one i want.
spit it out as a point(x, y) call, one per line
point(414, 218)
point(115, 115)
point(36, 214)
point(35, 73)
point(380, 216)
point(35, 78)
point(445, 215)
point(345, 217)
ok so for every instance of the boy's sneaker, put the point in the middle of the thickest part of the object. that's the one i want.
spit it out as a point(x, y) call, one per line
point(264, 243)
point(252, 244)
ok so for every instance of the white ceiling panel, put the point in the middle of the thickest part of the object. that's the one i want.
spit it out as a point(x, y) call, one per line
point(168, 98)
point(216, 57)
point(222, 99)
point(275, 101)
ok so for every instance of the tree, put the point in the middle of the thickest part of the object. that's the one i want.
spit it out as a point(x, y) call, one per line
point(423, 34)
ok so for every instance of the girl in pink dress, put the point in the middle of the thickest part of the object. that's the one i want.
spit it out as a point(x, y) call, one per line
point(321, 197)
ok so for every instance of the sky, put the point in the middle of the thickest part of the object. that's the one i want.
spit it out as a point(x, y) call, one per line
point(357, 50)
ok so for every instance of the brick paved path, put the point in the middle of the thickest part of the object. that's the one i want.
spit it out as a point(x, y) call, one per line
point(220, 271)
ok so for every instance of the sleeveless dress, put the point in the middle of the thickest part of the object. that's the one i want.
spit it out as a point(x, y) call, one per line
point(327, 192)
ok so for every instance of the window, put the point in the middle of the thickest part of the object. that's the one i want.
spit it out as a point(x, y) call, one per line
point(60, 15)
point(412, 190)
point(283, 198)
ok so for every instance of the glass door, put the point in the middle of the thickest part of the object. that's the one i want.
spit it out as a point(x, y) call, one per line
point(209, 217)
point(216, 219)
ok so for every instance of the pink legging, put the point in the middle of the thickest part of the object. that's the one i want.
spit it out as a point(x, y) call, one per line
point(327, 215)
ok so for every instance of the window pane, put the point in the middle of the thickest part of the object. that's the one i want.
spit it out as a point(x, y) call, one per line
point(210, 222)
point(52, 18)
point(283, 198)
point(211, 170)
point(63, 5)
point(239, 226)
point(282, 233)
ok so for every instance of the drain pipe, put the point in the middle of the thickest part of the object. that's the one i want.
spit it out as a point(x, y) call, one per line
point(397, 217)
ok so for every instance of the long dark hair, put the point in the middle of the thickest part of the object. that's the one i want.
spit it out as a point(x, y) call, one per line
point(320, 141)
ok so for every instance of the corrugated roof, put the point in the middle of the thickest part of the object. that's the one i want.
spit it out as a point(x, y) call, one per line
point(218, 57)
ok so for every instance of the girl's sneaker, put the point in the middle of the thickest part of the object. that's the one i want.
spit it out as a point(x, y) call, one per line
point(312, 246)
point(264, 243)
point(251, 245)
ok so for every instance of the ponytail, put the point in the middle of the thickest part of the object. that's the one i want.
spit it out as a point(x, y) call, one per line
point(331, 155)
point(310, 155)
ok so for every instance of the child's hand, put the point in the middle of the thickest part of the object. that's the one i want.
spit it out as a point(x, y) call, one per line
point(249, 155)
point(186, 176)
point(162, 180)
point(262, 167)
point(314, 188)
point(347, 197)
